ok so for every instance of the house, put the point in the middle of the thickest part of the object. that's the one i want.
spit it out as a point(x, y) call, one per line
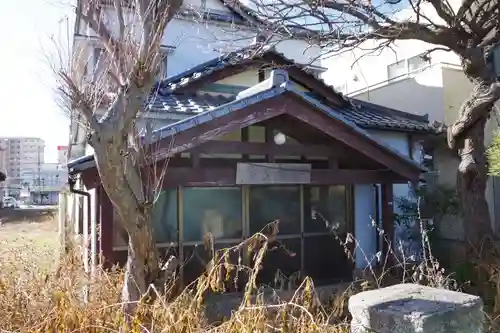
point(247, 145)
point(406, 78)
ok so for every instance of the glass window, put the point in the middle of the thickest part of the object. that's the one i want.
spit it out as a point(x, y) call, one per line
point(416, 62)
point(165, 217)
point(324, 207)
point(214, 210)
point(164, 220)
point(396, 69)
point(281, 264)
point(335, 268)
point(275, 203)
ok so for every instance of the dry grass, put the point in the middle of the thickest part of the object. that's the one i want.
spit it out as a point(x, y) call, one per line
point(29, 238)
point(35, 299)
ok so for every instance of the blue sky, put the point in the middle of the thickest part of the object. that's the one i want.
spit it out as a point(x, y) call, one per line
point(27, 82)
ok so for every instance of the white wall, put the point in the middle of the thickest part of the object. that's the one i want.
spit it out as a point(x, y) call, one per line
point(197, 41)
point(369, 67)
point(421, 93)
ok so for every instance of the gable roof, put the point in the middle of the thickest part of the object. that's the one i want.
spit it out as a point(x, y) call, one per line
point(276, 86)
point(170, 94)
point(256, 55)
point(363, 114)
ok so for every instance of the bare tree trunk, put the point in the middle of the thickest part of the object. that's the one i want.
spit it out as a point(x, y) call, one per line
point(471, 185)
point(467, 135)
point(142, 266)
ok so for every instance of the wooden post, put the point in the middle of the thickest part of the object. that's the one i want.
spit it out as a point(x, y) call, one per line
point(106, 217)
point(387, 220)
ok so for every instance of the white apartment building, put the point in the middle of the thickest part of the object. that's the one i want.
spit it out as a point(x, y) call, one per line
point(18, 154)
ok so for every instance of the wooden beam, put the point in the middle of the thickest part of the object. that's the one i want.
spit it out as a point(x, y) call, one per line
point(227, 177)
point(105, 219)
point(269, 142)
point(218, 127)
point(270, 149)
point(349, 136)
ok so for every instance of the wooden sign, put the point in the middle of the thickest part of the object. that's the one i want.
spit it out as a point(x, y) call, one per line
point(273, 173)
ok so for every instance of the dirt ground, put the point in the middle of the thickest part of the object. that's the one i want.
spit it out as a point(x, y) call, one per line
point(28, 236)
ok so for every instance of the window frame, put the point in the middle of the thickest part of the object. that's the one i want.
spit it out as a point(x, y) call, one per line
point(406, 63)
point(301, 235)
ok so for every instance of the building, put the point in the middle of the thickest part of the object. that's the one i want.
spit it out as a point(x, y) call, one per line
point(407, 78)
point(19, 153)
point(371, 143)
point(62, 155)
point(42, 186)
point(341, 159)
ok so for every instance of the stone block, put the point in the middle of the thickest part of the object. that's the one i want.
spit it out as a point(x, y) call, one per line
point(411, 308)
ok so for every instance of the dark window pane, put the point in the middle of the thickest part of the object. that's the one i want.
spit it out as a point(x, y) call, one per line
point(275, 203)
point(325, 269)
point(196, 259)
point(165, 217)
point(214, 210)
point(281, 263)
point(325, 207)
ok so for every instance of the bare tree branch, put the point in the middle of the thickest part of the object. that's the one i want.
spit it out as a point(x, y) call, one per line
point(470, 31)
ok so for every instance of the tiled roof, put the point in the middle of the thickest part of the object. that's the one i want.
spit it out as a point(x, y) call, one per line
point(185, 104)
point(201, 109)
point(364, 114)
point(252, 53)
point(280, 86)
point(369, 115)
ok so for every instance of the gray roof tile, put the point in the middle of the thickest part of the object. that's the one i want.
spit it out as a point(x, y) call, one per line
point(364, 114)
point(179, 103)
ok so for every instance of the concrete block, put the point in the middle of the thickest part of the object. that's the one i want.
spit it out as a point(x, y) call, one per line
point(411, 308)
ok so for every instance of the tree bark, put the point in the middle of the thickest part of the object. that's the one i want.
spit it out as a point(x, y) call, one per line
point(142, 266)
point(471, 185)
point(467, 136)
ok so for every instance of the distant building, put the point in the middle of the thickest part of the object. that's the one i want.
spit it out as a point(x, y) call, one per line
point(42, 186)
point(16, 154)
point(62, 155)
